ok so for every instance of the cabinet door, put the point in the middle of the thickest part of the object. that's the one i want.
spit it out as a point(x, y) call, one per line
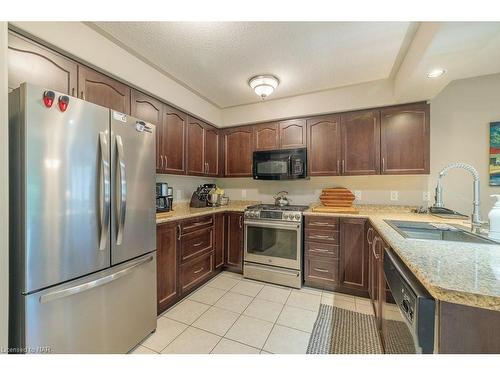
point(323, 145)
point(150, 110)
point(266, 136)
point(293, 133)
point(234, 249)
point(27, 61)
point(173, 135)
point(195, 147)
point(405, 139)
point(166, 269)
point(97, 88)
point(360, 135)
point(211, 151)
point(238, 149)
point(353, 254)
point(220, 235)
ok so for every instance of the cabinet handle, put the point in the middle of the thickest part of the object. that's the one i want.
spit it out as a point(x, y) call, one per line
point(383, 164)
point(166, 161)
point(198, 244)
point(321, 223)
point(370, 231)
point(198, 271)
point(321, 270)
point(374, 246)
point(343, 166)
point(338, 166)
point(322, 237)
point(82, 96)
point(208, 168)
point(241, 222)
point(179, 230)
point(73, 91)
point(320, 250)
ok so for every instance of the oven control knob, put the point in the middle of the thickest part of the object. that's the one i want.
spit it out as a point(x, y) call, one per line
point(297, 216)
point(285, 216)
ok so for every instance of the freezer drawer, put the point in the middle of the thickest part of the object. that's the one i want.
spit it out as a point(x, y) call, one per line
point(108, 312)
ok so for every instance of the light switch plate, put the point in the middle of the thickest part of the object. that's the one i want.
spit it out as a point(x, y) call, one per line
point(426, 196)
point(357, 194)
point(394, 195)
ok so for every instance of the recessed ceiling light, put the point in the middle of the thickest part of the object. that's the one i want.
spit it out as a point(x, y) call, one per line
point(264, 85)
point(435, 73)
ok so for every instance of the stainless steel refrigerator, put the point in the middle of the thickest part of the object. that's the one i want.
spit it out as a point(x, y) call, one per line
point(83, 231)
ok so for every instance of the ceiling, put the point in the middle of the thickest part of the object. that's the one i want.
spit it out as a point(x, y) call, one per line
point(216, 59)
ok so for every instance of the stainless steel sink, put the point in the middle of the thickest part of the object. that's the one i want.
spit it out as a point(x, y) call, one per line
point(436, 232)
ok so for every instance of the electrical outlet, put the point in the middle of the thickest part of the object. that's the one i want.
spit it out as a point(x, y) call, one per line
point(426, 196)
point(243, 193)
point(394, 195)
point(357, 194)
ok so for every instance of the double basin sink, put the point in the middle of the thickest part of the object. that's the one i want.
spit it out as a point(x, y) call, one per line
point(436, 232)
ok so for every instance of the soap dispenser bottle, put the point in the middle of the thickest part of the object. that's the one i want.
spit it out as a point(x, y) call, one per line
point(494, 218)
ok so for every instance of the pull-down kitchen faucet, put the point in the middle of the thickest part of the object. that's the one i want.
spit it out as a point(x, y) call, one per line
point(476, 215)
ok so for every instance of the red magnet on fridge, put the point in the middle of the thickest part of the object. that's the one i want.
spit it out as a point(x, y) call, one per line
point(48, 98)
point(63, 103)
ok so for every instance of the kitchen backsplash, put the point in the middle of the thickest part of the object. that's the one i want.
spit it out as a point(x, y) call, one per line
point(183, 185)
point(374, 189)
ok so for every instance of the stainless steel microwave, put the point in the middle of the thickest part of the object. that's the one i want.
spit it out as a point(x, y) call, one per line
point(280, 164)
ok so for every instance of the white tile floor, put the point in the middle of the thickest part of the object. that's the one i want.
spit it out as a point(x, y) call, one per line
point(232, 315)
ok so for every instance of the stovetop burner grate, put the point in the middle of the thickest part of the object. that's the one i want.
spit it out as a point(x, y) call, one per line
point(277, 208)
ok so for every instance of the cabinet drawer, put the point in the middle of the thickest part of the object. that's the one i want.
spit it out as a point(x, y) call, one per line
point(322, 269)
point(196, 223)
point(325, 249)
point(318, 235)
point(196, 243)
point(195, 271)
point(326, 222)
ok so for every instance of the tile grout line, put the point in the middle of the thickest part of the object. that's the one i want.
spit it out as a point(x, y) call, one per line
point(274, 324)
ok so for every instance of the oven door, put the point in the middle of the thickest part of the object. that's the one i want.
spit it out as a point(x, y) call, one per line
point(273, 243)
point(280, 164)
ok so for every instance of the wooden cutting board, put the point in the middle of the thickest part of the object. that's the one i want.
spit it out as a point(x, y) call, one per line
point(337, 197)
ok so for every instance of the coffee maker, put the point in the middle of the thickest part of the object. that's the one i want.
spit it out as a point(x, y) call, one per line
point(164, 197)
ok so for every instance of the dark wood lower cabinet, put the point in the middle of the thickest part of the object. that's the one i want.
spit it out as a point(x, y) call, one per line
point(353, 255)
point(166, 265)
point(234, 250)
point(191, 251)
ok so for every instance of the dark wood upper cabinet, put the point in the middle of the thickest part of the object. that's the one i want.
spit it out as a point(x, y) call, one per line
point(293, 133)
point(166, 265)
point(97, 88)
point(353, 254)
point(323, 145)
point(28, 61)
point(195, 147)
point(238, 151)
point(173, 135)
point(150, 110)
point(266, 136)
point(405, 139)
point(211, 151)
point(360, 143)
point(234, 247)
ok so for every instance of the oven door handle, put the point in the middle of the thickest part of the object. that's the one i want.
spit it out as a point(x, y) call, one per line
point(261, 224)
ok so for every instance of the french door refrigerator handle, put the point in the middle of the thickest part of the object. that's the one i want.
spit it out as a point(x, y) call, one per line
point(92, 284)
point(104, 190)
point(121, 196)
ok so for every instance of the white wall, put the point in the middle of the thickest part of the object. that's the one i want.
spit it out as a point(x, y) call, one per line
point(366, 95)
point(460, 117)
point(86, 44)
point(4, 191)
point(374, 189)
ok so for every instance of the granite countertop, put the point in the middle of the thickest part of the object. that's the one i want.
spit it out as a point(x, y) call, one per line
point(457, 272)
point(183, 211)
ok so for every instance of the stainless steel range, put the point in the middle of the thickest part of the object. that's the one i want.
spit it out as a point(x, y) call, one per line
point(273, 244)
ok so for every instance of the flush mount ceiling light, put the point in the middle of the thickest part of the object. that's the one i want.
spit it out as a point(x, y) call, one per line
point(436, 73)
point(264, 85)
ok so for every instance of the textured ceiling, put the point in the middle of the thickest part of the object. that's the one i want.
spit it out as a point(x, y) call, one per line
point(216, 59)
